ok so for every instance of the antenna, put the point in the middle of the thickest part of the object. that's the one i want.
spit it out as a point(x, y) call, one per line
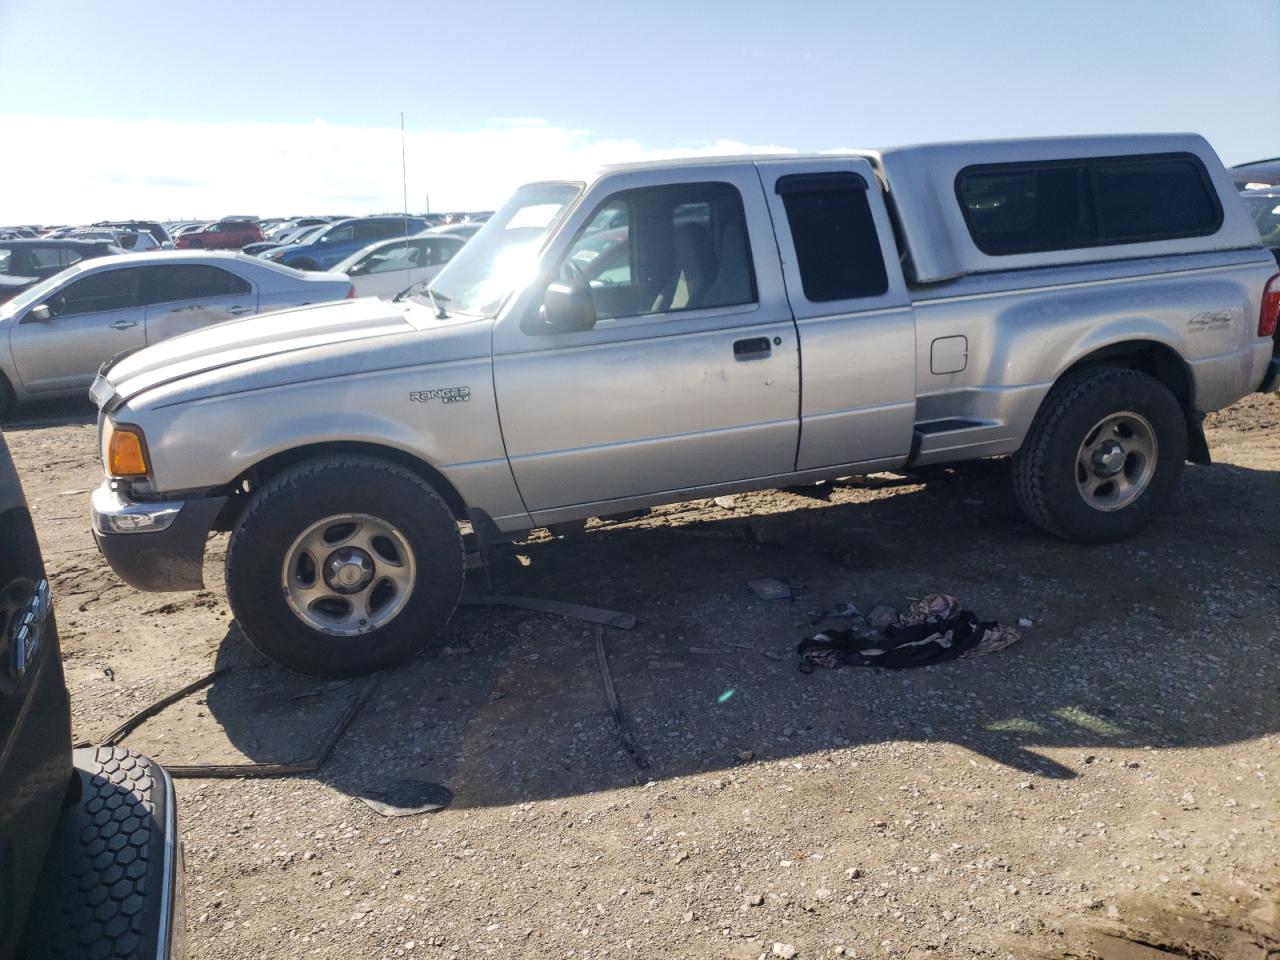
point(404, 170)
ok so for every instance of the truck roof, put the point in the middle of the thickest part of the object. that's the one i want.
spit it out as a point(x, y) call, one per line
point(919, 181)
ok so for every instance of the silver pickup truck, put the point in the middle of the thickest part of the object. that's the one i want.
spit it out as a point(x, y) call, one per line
point(684, 329)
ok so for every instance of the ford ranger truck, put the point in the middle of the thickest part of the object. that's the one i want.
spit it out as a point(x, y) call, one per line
point(682, 329)
point(90, 859)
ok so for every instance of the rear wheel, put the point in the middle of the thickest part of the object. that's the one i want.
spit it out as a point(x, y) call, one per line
point(343, 566)
point(1103, 456)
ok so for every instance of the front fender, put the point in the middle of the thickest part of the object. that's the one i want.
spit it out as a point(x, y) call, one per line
point(442, 415)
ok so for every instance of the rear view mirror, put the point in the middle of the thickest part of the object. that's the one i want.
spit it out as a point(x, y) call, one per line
point(40, 313)
point(568, 306)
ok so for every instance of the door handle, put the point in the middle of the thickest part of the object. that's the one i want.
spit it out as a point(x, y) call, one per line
point(237, 310)
point(124, 324)
point(753, 348)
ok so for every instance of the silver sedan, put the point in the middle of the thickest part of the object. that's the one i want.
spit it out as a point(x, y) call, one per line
point(55, 335)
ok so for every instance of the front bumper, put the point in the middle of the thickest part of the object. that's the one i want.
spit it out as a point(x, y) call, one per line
point(154, 546)
point(1271, 382)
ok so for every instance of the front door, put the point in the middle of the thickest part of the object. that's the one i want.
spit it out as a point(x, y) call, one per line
point(857, 328)
point(94, 317)
point(182, 297)
point(689, 377)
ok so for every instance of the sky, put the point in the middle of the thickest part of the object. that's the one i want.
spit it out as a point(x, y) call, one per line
point(278, 107)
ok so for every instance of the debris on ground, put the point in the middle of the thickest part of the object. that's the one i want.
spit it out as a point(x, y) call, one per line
point(769, 589)
point(932, 630)
point(406, 798)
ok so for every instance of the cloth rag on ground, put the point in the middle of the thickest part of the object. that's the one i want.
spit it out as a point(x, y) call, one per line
point(932, 630)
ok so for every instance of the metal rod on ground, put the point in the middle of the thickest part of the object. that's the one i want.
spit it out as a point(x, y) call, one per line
point(609, 618)
point(624, 732)
point(288, 768)
point(146, 713)
point(225, 770)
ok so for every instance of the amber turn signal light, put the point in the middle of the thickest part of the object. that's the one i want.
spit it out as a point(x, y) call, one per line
point(126, 453)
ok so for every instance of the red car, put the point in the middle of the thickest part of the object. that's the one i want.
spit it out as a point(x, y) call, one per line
point(223, 235)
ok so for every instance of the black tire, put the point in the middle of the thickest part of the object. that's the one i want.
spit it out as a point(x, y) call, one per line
point(108, 889)
point(290, 503)
point(1045, 469)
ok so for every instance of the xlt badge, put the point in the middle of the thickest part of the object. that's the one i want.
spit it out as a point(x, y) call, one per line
point(443, 394)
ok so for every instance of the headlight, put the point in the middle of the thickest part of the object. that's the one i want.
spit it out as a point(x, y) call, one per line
point(124, 451)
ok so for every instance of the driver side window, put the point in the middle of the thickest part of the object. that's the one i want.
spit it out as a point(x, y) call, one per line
point(660, 250)
point(98, 292)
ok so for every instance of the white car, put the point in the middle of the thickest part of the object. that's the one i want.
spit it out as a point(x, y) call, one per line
point(135, 241)
point(387, 267)
point(55, 335)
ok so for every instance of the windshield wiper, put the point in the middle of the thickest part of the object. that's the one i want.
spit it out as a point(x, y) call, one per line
point(436, 298)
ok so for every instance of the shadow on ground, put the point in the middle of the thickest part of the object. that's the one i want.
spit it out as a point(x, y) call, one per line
point(1166, 641)
point(52, 413)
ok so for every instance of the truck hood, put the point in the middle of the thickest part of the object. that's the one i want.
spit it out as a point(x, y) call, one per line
point(254, 338)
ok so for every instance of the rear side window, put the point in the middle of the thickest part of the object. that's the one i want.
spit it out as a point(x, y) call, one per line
point(1063, 205)
point(190, 281)
point(837, 248)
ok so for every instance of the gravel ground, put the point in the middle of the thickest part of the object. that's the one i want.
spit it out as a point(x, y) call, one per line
point(1107, 787)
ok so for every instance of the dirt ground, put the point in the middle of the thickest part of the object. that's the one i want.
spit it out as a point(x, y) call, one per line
point(1107, 787)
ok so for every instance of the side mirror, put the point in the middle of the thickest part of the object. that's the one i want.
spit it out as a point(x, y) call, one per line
point(568, 306)
point(40, 313)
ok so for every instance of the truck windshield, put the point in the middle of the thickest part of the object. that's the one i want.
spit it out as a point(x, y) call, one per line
point(499, 258)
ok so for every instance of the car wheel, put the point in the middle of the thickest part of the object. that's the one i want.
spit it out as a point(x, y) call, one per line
point(344, 565)
point(1103, 456)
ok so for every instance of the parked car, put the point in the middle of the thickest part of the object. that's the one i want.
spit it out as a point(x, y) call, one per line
point(129, 241)
point(300, 235)
point(92, 859)
point(157, 231)
point(186, 228)
point(1264, 207)
point(57, 333)
point(1077, 303)
point(385, 268)
point(1258, 173)
point(223, 235)
point(339, 240)
point(292, 226)
point(44, 258)
point(464, 230)
point(11, 286)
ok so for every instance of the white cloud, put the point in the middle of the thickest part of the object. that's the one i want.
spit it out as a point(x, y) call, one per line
point(69, 169)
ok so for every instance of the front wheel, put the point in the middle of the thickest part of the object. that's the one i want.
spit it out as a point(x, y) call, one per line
point(344, 565)
point(1103, 456)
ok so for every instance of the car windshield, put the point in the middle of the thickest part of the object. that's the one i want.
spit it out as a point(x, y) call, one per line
point(499, 258)
point(1265, 211)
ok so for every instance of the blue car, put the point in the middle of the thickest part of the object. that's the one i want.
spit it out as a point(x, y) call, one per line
point(339, 240)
